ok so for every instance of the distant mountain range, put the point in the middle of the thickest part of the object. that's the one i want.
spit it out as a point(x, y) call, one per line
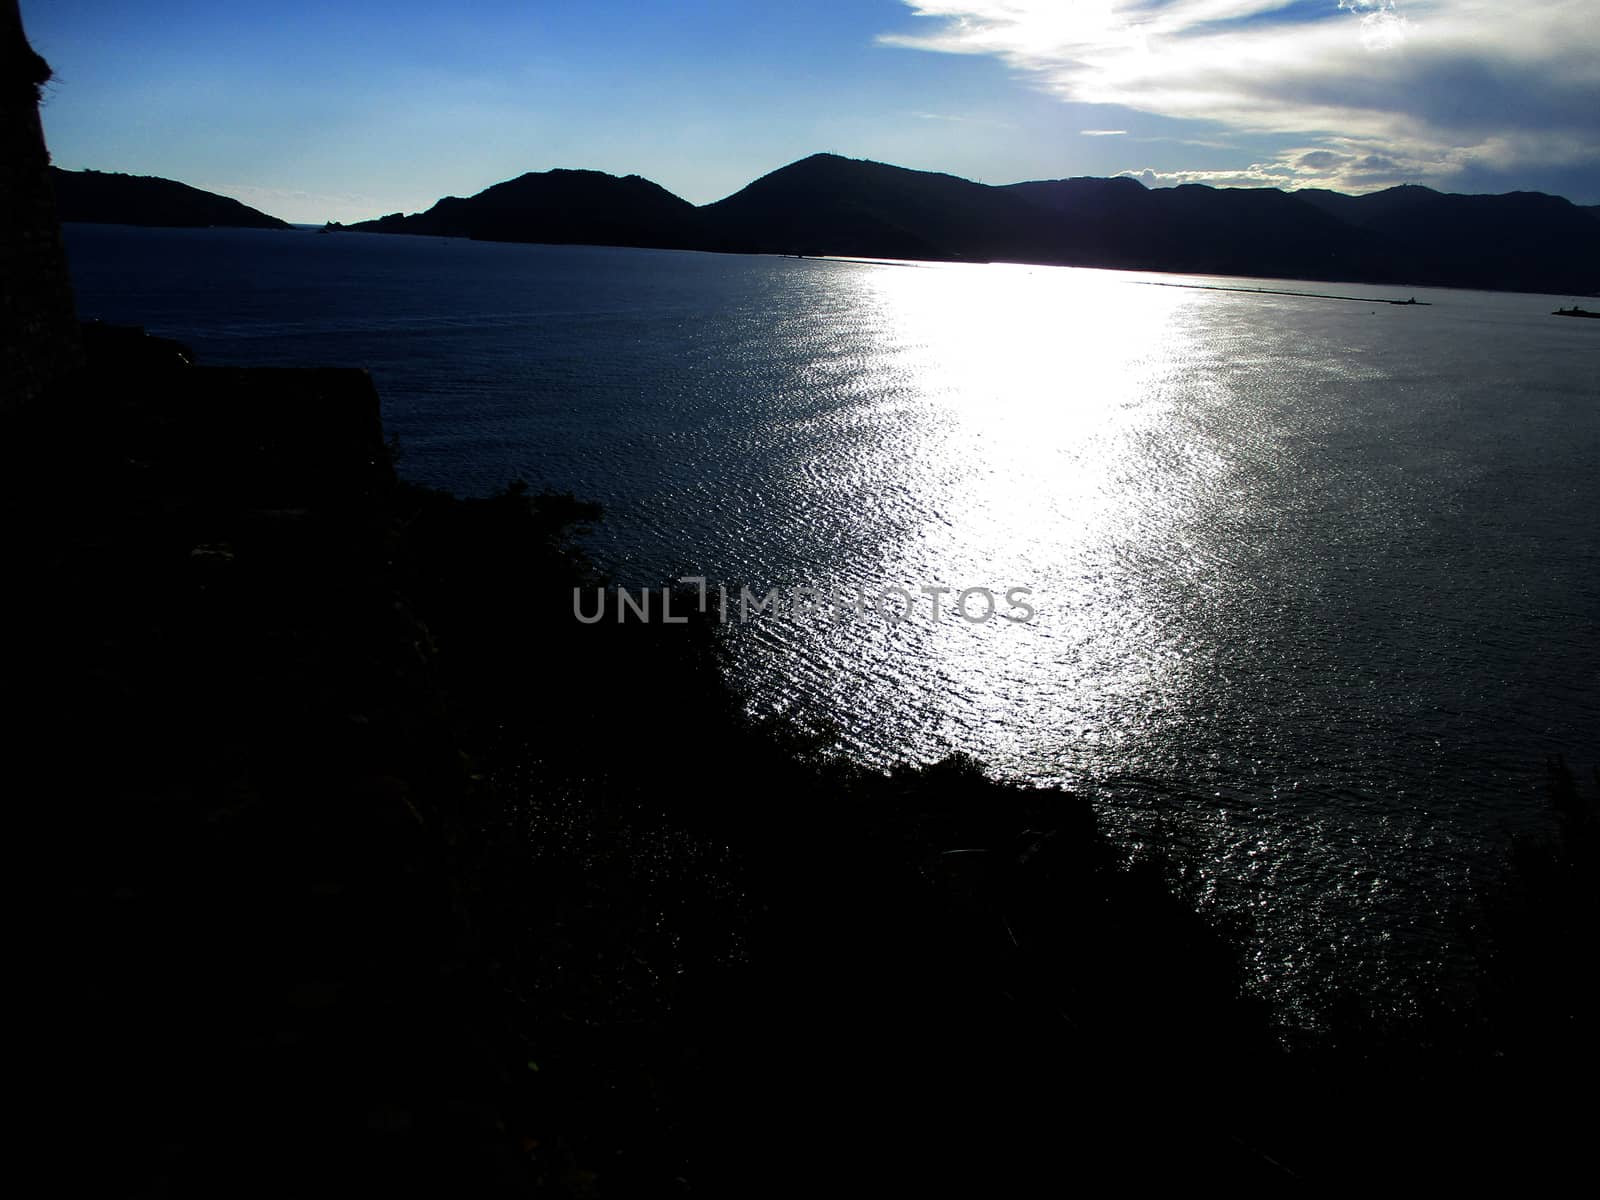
point(110, 199)
point(828, 205)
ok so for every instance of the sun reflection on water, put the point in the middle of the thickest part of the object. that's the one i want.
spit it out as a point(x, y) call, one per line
point(1019, 428)
point(1132, 456)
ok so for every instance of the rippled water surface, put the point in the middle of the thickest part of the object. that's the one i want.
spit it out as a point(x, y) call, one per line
point(1316, 580)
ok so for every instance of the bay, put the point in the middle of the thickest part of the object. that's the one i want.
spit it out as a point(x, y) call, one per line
point(1315, 579)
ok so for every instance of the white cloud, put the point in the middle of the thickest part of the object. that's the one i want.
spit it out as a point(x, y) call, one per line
point(1430, 86)
point(1297, 168)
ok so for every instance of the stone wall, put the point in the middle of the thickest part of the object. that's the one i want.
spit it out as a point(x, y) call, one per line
point(38, 325)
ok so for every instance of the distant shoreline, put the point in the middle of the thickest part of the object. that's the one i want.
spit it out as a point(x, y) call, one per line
point(843, 260)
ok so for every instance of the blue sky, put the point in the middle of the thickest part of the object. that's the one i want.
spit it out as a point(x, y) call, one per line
point(315, 111)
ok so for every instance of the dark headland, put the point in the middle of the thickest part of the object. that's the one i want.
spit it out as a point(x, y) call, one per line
point(828, 205)
point(98, 197)
point(357, 866)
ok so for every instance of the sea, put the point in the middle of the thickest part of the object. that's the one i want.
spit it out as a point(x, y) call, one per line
point(1296, 583)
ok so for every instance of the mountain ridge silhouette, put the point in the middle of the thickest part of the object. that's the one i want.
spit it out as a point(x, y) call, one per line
point(826, 204)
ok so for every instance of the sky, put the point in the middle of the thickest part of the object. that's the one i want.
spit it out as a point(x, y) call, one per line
point(316, 112)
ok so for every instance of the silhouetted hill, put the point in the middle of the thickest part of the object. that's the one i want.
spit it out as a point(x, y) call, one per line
point(1522, 241)
point(1094, 219)
point(1201, 230)
point(112, 199)
point(826, 204)
point(587, 207)
point(829, 205)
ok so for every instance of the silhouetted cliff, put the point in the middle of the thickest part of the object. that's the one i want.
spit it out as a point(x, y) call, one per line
point(38, 327)
point(111, 199)
point(826, 204)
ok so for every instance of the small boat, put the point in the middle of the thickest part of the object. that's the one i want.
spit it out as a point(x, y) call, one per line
point(1574, 311)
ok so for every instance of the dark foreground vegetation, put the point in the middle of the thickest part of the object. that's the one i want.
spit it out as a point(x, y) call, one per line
point(354, 864)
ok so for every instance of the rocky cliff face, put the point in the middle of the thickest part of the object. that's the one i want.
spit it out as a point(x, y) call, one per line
point(38, 325)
